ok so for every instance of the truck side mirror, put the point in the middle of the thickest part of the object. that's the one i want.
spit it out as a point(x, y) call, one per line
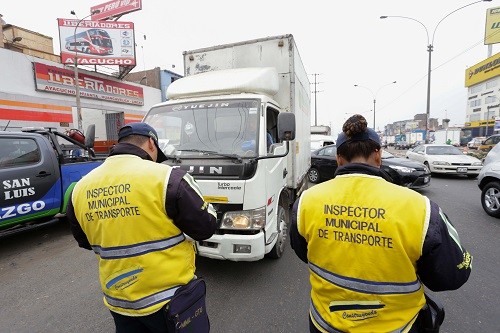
point(286, 126)
point(90, 136)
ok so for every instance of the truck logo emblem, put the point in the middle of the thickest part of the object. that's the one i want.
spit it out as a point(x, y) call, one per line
point(201, 169)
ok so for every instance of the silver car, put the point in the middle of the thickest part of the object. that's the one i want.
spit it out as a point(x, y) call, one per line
point(489, 182)
point(445, 159)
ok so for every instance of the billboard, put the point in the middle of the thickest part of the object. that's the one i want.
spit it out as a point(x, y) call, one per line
point(492, 29)
point(483, 71)
point(97, 42)
point(115, 8)
point(62, 81)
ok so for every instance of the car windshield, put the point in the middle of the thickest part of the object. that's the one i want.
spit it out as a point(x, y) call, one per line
point(386, 154)
point(443, 150)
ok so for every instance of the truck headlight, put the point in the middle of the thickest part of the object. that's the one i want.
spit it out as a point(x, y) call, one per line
point(246, 219)
point(402, 168)
point(440, 163)
point(477, 163)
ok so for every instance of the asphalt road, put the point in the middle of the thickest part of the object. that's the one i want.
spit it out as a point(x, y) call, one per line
point(48, 284)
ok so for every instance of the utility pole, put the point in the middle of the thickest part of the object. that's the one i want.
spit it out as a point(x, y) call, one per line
point(315, 91)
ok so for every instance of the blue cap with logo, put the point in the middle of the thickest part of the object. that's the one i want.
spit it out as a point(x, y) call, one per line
point(144, 130)
point(369, 134)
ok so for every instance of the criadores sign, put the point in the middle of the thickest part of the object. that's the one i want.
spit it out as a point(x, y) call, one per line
point(61, 81)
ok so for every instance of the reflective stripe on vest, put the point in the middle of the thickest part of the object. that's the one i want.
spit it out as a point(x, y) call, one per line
point(325, 326)
point(365, 286)
point(144, 302)
point(119, 252)
point(317, 318)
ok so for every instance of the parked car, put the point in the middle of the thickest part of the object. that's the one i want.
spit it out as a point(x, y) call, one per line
point(446, 159)
point(491, 141)
point(475, 142)
point(402, 145)
point(403, 172)
point(489, 183)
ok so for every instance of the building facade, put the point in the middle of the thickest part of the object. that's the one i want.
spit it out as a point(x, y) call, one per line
point(483, 98)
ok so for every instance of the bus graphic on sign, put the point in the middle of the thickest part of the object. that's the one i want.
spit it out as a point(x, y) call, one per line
point(91, 41)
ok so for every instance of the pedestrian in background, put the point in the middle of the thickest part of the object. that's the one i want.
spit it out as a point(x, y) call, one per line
point(133, 213)
point(371, 245)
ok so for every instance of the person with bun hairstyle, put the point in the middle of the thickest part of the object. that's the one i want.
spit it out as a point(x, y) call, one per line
point(371, 246)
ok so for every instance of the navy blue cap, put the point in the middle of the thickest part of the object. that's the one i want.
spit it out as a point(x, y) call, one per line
point(144, 130)
point(369, 134)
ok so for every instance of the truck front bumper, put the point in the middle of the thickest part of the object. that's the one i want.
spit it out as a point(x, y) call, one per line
point(233, 247)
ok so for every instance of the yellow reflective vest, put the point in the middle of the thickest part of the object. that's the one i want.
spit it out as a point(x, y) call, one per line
point(143, 257)
point(364, 236)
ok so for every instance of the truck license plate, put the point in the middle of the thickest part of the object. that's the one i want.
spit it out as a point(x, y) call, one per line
point(461, 169)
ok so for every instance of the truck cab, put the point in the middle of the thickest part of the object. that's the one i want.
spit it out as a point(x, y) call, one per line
point(222, 141)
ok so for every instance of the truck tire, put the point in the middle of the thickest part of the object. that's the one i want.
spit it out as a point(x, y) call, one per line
point(489, 199)
point(282, 225)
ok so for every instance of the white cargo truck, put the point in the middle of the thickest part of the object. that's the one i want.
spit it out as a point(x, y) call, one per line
point(239, 122)
point(448, 136)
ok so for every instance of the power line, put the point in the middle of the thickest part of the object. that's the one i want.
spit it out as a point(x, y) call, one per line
point(437, 67)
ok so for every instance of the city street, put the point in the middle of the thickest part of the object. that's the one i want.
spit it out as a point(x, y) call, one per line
point(50, 285)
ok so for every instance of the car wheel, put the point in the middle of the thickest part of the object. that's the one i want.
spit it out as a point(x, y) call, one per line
point(282, 229)
point(313, 175)
point(490, 199)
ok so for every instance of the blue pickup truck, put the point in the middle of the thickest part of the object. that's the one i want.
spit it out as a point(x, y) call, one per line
point(38, 169)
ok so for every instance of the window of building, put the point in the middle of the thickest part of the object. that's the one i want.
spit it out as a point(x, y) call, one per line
point(490, 99)
point(491, 84)
point(475, 117)
point(476, 102)
point(475, 89)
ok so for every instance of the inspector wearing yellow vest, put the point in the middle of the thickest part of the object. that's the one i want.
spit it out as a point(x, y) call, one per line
point(370, 244)
point(133, 213)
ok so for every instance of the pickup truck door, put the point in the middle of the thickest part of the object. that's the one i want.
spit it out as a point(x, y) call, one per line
point(30, 178)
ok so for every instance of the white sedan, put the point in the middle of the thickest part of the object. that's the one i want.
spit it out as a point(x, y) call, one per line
point(446, 159)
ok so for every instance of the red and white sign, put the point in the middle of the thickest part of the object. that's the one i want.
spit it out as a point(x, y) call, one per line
point(97, 42)
point(62, 81)
point(114, 8)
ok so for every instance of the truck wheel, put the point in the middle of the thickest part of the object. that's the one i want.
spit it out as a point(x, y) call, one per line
point(282, 224)
point(490, 200)
point(313, 175)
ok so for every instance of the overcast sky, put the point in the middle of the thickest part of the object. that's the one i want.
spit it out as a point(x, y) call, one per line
point(345, 42)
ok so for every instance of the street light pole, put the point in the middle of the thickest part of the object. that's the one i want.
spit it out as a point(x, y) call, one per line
point(76, 79)
point(374, 95)
point(430, 48)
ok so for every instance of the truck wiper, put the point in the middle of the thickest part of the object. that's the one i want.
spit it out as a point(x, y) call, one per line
point(211, 152)
point(174, 158)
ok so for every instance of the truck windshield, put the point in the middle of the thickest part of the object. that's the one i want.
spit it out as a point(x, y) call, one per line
point(218, 126)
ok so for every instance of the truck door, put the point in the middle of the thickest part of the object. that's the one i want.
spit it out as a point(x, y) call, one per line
point(274, 179)
point(29, 178)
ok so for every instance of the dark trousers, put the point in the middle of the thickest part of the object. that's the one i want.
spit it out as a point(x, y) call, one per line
point(153, 323)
